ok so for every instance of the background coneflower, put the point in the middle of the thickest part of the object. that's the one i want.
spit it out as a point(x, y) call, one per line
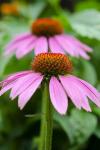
point(47, 35)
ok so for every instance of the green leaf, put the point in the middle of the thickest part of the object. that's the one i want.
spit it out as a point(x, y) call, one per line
point(32, 10)
point(82, 5)
point(88, 72)
point(4, 60)
point(86, 23)
point(13, 27)
point(78, 126)
point(3, 63)
point(97, 131)
point(54, 2)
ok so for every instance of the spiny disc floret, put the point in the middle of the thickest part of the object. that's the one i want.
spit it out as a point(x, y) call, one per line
point(52, 64)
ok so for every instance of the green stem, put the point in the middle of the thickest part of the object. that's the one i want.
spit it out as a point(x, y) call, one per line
point(46, 122)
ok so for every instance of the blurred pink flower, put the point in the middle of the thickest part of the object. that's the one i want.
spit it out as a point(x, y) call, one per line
point(47, 35)
point(61, 87)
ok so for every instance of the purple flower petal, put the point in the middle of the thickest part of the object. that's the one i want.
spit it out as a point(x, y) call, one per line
point(54, 46)
point(23, 83)
point(27, 94)
point(25, 47)
point(85, 103)
point(19, 45)
point(41, 45)
point(6, 88)
point(79, 44)
point(10, 81)
point(18, 38)
point(58, 96)
point(13, 77)
point(86, 88)
point(66, 45)
point(71, 46)
point(83, 54)
point(71, 91)
point(81, 97)
point(26, 50)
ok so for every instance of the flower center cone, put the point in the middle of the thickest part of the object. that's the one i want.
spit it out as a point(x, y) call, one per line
point(52, 64)
point(46, 27)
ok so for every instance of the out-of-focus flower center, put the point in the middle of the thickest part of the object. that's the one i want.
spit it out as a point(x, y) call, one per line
point(47, 27)
point(52, 64)
point(9, 9)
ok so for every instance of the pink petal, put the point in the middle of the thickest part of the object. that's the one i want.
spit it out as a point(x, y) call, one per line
point(85, 103)
point(41, 45)
point(87, 89)
point(66, 45)
point(27, 94)
point(27, 50)
point(81, 95)
point(54, 46)
point(11, 49)
point(23, 83)
point(16, 44)
point(24, 47)
point(6, 88)
point(13, 77)
point(86, 85)
point(71, 46)
point(79, 44)
point(89, 86)
point(58, 96)
point(72, 91)
point(18, 38)
point(23, 36)
point(76, 46)
point(84, 54)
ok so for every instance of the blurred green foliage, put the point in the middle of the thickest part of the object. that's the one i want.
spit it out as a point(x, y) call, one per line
point(78, 129)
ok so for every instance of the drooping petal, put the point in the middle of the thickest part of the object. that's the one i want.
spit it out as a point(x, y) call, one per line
point(11, 49)
point(25, 47)
point(79, 44)
point(91, 92)
point(41, 45)
point(72, 91)
point(71, 46)
point(86, 88)
point(23, 36)
point(80, 94)
point(27, 50)
point(19, 46)
point(85, 103)
point(18, 38)
point(79, 51)
point(13, 77)
point(54, 46)
point(27, 94)
point(10, 81)
point(65, 45)
point(6, 88)
point(75, 44)
point(19, 84)
point(22, 84)
point(58, 96)
point(83, 54)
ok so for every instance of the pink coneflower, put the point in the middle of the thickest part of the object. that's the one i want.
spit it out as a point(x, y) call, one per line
point(54, 69)
point(47, 35)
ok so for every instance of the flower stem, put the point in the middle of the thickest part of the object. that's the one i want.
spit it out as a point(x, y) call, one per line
point(46, 122)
